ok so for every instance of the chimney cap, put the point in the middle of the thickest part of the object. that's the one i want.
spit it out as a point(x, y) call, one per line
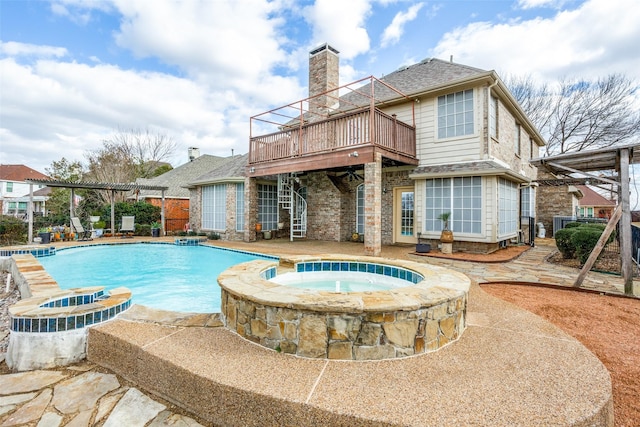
point(322, 48)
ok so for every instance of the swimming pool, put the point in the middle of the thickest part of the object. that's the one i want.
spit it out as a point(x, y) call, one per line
point(163, 276)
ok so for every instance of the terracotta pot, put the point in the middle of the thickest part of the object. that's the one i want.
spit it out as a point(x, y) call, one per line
point(446, 236)
point(258, 227)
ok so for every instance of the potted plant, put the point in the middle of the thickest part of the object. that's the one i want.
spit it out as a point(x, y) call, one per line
point(45, 235)
point(155, 229)
point(98, 228)
point(446, 236)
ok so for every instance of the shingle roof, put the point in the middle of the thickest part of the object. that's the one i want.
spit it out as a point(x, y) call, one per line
point(19, 173)
point(428, 74)
point(232, 168)
point(593, 198)
point(177, 178)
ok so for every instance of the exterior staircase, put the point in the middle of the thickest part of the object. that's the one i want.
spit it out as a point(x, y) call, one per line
point(290, 200)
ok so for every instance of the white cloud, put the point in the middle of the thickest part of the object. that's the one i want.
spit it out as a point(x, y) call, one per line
point(394, 31)
point(593, 40)
point(26, 49)
point(342, 24)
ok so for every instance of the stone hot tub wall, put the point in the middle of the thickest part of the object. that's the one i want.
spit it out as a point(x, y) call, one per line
point(349, 326)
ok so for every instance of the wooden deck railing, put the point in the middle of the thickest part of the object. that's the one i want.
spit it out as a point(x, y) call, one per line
point(345, 131)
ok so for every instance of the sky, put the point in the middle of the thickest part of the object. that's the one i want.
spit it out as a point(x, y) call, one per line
point(74, 73)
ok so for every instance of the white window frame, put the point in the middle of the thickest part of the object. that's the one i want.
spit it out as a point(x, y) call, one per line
point(507, 207)
point(461, 196)
point(360, 219)
point(456, 114)
point(240, 206)
point(268, 206)
point(528, 202)
point(214, 207)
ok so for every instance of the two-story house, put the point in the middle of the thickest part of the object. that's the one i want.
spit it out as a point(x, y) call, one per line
point(14, 191)
point(383, 158)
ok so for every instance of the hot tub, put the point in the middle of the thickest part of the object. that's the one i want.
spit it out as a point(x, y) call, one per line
point(422, 311)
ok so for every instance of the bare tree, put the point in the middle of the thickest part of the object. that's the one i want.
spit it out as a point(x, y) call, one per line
point(580, 114)
point(127, 156)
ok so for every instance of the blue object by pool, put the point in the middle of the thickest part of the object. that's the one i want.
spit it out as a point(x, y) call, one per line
point(164, 276)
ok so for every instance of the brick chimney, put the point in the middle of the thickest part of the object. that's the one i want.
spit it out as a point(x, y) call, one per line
point(323, 78)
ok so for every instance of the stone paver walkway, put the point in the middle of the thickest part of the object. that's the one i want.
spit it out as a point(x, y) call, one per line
point(86, 395)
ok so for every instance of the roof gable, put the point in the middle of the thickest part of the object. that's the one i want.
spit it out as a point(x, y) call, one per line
point(19, 173)
point(593, 198)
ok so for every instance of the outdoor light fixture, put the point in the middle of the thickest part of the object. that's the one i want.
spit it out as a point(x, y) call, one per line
point(354, 154)
point(252, 169)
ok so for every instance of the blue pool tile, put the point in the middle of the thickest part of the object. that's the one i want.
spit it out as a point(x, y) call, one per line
point(299, 267)
point(344, 266)
point(335, 266)
point(394, 272)
point(353, 266)
point(379, 269)
point(403, 274)
point(80, 321)
point(71, 323)
point(326, 266)
point(87, 299)
point(371, 268)
point(43, 325)
point(387, 270)
point(362, 267)
point(317, 266)
point(308, 266)
point(65, 302)
point(97, 316)
point(62, 324)
point(52, 325)
point(20, 325)
point(27, 325)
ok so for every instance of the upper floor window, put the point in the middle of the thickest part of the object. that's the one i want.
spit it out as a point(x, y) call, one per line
point(493, 117)
point(517, 141)
point(455, 114)
point(9, 187)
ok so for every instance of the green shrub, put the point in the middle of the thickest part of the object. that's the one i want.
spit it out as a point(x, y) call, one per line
point(213, 236)
point(572, 224)
point(564, 243)
point(584, 240)
point(12, 230)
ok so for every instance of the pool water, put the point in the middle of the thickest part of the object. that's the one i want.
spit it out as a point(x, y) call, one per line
point(340, 281)
point(163, 276)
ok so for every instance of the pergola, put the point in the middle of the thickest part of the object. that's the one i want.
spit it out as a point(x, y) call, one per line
point(616, 159)
point(113, 187)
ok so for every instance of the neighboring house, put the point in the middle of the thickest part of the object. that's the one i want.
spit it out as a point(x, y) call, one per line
point(383, 158)
point(594, 204)
point(218, 199)
point(14, 191)
point(177, 196)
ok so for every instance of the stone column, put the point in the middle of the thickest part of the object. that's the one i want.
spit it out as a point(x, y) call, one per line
point(250, 208)
point(373, 207)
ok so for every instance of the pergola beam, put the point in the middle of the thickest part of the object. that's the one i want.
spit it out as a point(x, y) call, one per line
point(124, 187)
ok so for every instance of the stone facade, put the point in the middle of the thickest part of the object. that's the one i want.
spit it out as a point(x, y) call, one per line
point(553, 201)
point(363, 336)
point(323, 77)
point(373, 325)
